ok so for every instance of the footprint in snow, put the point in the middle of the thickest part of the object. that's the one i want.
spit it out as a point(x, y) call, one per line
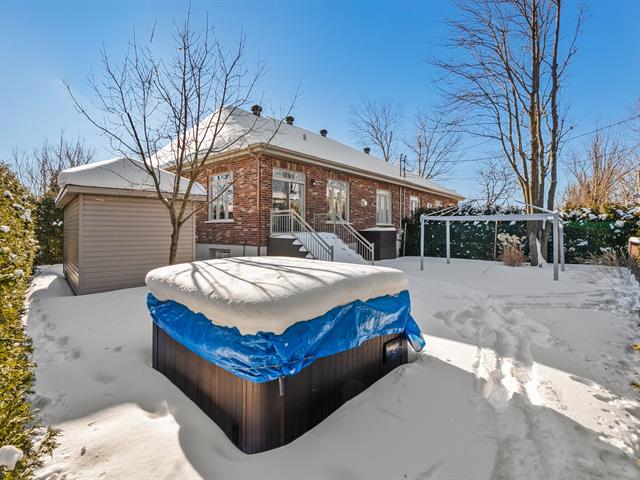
point(584, 381)
point(40, 401)
point(104, 378)
point(603, 397)
point(433, 473)
point(75, 353)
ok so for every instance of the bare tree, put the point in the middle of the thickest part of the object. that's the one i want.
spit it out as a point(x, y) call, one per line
point(635, 126)
point(605, 174)
point(497, 184)
point(39, 170)
point(433, 147)
point(377, 124)
point(510, 61)
point(146, 101)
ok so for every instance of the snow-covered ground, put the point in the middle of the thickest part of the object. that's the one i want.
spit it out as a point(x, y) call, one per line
point(522, 378)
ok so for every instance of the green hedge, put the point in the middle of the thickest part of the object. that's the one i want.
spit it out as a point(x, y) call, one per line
point(49, 231)
point(587, 233)
point(19, 425)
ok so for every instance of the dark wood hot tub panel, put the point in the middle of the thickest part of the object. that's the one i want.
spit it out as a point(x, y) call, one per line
point(254, 415)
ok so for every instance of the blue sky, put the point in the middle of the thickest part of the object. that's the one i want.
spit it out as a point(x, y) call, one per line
point(337, 51)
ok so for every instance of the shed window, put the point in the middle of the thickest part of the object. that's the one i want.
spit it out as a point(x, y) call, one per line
point(383, 207)
point(338, 198)
point(414, 205)
point(221, 197)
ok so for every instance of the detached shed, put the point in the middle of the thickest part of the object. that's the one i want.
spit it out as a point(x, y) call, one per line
point(115, 228)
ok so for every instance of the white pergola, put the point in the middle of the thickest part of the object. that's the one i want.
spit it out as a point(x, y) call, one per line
point(558, 230)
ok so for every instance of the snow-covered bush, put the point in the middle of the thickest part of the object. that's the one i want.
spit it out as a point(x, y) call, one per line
point(511, 250)
point(611, 257)
point(19, 426)
point(589, 231)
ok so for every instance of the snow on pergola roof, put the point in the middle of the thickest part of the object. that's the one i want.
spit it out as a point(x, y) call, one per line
point(243, 129)
point(123, 174)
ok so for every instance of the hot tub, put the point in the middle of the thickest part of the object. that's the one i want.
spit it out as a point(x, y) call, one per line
point(270, 346)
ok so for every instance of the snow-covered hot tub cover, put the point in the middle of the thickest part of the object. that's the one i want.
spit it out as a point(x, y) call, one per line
point(262, 318)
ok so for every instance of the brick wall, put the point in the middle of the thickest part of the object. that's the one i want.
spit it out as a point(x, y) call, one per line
point(244, 228)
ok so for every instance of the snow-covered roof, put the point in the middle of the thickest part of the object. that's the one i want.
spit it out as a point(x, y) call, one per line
point(241, 129)
point(122, 173)
point(270, 294)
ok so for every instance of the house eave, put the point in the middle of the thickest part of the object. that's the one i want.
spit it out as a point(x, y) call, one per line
point(262, 149)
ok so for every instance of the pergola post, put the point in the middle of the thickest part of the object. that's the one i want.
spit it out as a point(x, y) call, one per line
point(448, 241)
point(421, 243)
point(561, 239)
point(555, 245)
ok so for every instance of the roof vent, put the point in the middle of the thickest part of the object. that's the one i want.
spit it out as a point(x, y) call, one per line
point(256, 110)
point(323, 132)
point(289, 120)
point(367, 150)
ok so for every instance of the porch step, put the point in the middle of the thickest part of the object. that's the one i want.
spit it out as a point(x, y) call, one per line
point(342, 252)
point(284, 246)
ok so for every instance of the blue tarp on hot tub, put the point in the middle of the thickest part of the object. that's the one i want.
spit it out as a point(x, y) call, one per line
point(266, 356)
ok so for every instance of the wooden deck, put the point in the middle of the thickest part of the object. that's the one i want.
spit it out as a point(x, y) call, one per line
point(255, 416)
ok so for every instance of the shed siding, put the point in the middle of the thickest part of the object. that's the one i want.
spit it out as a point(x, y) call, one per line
point(71, 242)
point(125, 237)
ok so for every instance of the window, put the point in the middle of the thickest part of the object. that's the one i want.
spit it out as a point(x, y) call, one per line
point(338, 198)
point(288, 190)
point(221, 197)
point(438, 203)
point(414, 205)
point(383, 207)
point(219, 253)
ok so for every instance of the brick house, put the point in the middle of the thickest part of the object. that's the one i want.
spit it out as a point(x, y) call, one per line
point(300, 181)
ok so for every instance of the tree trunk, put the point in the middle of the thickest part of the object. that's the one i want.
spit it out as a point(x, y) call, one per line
point(173, 249)
point(546, 238)
point(532, 234)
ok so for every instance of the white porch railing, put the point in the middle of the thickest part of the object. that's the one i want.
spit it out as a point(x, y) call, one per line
point(289, 222)
point(332, 223)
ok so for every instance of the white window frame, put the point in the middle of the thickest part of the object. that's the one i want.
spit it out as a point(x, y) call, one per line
point(414, 204)
point(225, 199)
point(288, 175)
point(331, 183)
point(384, 217)
point(292, 176)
